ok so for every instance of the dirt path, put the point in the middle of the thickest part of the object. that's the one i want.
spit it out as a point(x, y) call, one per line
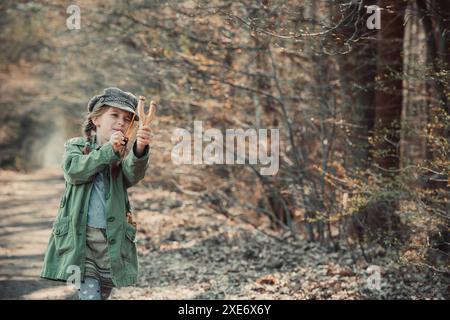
point(189, 252)
point(28, 205)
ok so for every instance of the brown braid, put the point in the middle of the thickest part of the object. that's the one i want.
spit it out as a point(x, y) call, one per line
point(89, 126)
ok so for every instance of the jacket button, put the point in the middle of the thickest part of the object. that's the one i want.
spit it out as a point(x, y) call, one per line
point(112, 241)
point(57, 231)
point(80, 233)
point(111, 219)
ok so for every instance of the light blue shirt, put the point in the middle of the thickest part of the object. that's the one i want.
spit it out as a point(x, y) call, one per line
point(96, 216)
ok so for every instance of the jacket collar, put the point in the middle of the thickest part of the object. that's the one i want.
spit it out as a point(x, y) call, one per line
point(81, 141)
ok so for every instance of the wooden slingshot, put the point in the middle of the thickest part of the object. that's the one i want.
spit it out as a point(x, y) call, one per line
point(144, 120)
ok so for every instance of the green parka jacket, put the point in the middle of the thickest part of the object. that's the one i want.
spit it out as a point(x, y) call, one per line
point(67, 245)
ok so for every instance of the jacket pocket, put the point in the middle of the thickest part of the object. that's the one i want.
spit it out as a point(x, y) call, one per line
point(129, 245)
point(62, 235)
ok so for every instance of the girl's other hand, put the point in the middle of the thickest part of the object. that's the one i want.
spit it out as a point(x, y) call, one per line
point(117, 140)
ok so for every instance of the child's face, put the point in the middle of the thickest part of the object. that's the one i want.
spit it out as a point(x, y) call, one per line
point(114, 119)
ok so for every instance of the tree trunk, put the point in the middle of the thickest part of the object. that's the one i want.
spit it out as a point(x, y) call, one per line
point(434, 48)
point(388, 96)
point(358, 69)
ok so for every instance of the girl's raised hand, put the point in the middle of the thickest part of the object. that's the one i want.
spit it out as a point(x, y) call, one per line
point(143, 138)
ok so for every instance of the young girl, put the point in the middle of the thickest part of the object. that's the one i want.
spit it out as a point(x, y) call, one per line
point(92, 233)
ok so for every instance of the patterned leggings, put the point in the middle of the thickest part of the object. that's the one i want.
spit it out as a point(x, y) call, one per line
point(91, 289)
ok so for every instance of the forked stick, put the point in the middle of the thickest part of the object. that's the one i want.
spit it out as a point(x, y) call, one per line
point(145, 118)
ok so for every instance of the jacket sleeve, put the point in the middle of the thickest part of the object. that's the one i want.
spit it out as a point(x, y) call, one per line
point(80, 168)
point(133, 167)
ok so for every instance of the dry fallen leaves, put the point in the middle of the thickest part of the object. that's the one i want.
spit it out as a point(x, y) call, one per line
point(269, 279)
